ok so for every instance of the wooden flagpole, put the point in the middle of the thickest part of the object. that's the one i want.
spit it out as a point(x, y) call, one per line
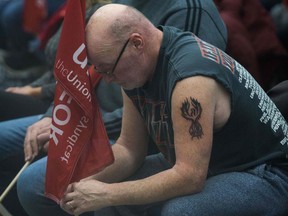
point(3, 211)
point(13, 182)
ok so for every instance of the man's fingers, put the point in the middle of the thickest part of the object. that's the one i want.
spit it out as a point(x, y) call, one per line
point(42, 140)
point(30, 144)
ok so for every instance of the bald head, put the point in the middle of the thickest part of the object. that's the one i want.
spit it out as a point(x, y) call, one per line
point(116, 22)
point(115, 28)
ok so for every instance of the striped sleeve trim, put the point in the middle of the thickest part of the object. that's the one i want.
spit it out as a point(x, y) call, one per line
point(194, 15)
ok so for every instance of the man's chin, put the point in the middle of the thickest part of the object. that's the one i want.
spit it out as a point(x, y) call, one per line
point(127, 88)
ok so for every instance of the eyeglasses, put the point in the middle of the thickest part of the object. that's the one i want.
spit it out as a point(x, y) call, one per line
point(109, 73)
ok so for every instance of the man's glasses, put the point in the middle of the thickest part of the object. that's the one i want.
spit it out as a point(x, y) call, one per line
point(109, 73)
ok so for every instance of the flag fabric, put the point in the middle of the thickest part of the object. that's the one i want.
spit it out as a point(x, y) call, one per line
point(51, 26)
point(34, 15)
point(79, 145)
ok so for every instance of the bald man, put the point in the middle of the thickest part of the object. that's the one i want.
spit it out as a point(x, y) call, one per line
point(198, 16)
point(222, 140)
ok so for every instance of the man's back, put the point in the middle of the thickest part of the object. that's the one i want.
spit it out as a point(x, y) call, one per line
point(200, 17)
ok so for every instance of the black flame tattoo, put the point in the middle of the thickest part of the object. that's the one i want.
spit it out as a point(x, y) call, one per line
point(192, 112)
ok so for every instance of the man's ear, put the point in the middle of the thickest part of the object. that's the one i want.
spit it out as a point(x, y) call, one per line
point(137, 40)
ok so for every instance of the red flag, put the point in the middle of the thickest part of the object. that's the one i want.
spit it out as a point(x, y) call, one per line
point(78, 145)
point(34, 15)
point(51, 26)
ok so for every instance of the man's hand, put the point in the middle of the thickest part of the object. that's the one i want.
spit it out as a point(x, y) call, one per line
point(83, 196)
point(25, 90)
point(37, 138)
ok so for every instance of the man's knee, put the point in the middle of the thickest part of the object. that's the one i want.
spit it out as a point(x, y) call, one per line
point(175, 208)
point(109, 211)
point(184, 206)
point(23, 187)
point(30, 185)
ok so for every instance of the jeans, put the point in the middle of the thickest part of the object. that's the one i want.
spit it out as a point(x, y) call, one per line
point(12, 135)
point(30, 188)
point(262, 190)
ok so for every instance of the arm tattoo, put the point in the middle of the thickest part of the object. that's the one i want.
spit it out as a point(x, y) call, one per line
point(192, 112)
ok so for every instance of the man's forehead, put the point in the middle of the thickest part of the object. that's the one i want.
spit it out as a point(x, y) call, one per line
point(100, 52)
point(97, 40)
point(102, 46)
